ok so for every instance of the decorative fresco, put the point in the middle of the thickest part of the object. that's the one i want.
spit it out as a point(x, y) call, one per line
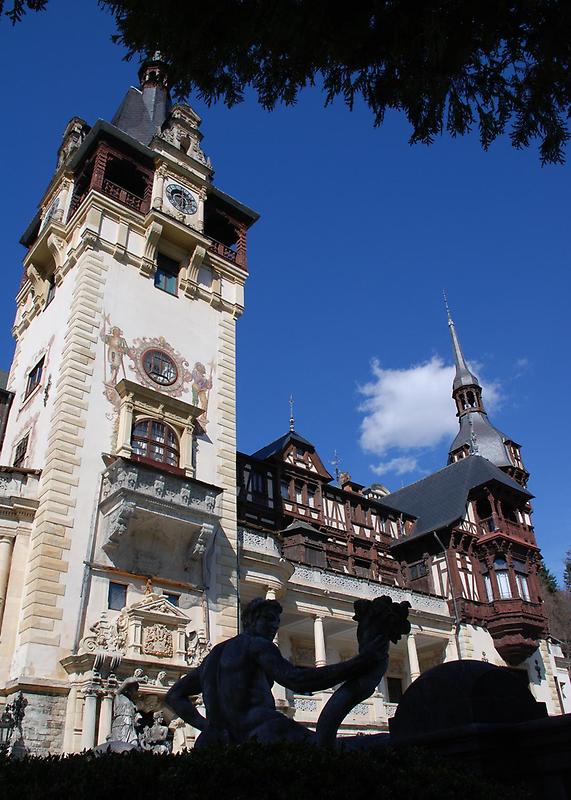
point(141, 347)
point(157, 365)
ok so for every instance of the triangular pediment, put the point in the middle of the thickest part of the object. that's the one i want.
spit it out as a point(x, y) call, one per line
point(158, 604)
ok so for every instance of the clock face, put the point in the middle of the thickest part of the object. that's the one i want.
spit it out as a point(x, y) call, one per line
point(181, 198)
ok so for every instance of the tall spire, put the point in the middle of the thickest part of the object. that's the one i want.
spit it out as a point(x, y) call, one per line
point(463, 375)
point(477, 436)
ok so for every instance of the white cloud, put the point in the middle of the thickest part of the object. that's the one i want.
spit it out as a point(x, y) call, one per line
point(410, 410)
point(399, 465)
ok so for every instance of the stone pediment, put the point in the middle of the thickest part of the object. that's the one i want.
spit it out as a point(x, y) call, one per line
point(149, 630)
point(156, 604)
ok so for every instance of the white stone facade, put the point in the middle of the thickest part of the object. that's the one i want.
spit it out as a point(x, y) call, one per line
point(80, 514)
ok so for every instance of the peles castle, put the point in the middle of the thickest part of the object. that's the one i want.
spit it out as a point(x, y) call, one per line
point(131, 529)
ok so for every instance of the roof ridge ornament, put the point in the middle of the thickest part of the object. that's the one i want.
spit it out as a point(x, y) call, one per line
point(291, 416)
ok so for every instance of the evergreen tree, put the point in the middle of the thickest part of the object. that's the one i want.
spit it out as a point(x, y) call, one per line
point(448, 65)
point(547, 578)
point(567, 571)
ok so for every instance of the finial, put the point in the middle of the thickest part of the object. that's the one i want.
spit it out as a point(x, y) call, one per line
point(291, 417)
point(474, 449)
point(450, 320)
point(335, 461)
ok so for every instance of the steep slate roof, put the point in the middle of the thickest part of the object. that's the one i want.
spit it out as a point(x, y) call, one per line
point(277, 447)
point(142, 112)
point(489, 440)
point(440, 499)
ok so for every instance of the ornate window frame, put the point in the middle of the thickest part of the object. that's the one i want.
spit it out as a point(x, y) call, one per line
point(138, 402)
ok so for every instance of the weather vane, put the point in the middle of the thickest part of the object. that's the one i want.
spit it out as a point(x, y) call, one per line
point(335, 461)
point(291, 417)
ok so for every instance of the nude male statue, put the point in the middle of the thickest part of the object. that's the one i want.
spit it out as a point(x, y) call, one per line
point(236, 679)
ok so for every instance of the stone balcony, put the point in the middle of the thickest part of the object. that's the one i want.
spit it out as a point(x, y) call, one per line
point(18, 493)
point(150, 516)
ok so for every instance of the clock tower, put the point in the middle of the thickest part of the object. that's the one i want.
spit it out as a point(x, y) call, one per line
point(118, 548)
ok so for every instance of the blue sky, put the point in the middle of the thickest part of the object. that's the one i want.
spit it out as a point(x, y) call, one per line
point(359, 234)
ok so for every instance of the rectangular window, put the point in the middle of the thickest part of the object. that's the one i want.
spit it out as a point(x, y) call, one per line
point(172, 598)
point(489, 589)
point(117, 596)
point(418, 570)
point(34, 378)
point(166, 274)
point(504, 584)
point(51, 290)
point(257, 483)
point(298, 494)
point(394, 689)
point(522, 586)
point(311, 496)
point(20, 451)
point(284, 490)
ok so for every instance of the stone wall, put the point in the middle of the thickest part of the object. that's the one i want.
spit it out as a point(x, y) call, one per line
point(44, 723)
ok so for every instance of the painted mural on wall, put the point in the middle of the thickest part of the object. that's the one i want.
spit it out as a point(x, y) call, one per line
point(156, 364)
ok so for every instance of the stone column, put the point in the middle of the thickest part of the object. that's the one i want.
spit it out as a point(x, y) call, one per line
point(159, 187)
point(319, 638)
point(451, 652)
point(186, 449)
point(125, 426)
point(89, 718)
point(6, 544)
point(413, 665)
point(68, 735)
point(105, 718)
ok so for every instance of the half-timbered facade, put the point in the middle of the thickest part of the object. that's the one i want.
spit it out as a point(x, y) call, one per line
point(132, 532)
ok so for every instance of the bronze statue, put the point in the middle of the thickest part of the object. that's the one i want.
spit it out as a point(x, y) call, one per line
point(235, 679)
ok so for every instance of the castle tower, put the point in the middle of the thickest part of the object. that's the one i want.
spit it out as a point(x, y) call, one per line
point(118, 545)
point(477, 435)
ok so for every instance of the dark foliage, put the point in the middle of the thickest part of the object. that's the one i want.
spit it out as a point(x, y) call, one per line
point(18, 8)
point(449, 65)
point(567, 571)
point(547, 578)
point(251, 772)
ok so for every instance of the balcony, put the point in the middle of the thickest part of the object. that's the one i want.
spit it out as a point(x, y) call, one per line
point(149, 518)
point(514, 624)
point(495, 525)
point(122, 195)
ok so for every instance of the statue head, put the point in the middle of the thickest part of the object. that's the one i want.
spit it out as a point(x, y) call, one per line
point(262, 618)
point(381, 617)
point(129, 688)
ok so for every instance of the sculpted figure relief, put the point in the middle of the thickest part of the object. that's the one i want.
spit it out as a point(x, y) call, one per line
point(125, 713)
point(235, 679)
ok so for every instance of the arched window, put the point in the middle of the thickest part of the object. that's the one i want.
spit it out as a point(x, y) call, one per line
point(501, 570)
point(156, 441)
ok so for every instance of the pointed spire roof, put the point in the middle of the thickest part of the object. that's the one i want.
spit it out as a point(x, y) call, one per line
point(144, 110)
point(463, 375)
point(476, 433)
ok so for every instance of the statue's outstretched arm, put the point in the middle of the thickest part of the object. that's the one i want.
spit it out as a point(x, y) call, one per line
point(310, 679)
point(178, 698)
